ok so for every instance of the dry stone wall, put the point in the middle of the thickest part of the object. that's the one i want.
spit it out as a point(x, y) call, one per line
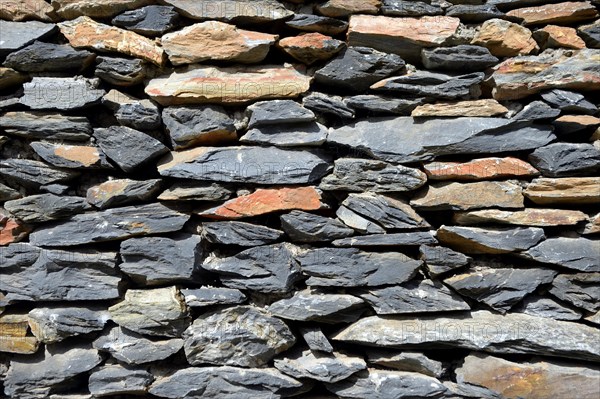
point(374, 199)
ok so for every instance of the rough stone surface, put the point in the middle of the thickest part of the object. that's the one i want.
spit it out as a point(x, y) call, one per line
point(316, 340)
point(490, 240)
point(593, 226)
point(122, 191)
point(309, 48)
point(383, 104)
point(239, 233)
point(120, 71)
point(148, 21)
point(572, 190)
point(277, 112)
point(567, 12)
point(402, 8)
point(316, 23)
point(232, 10)
point(480, 108)
point(440, 260)
point(195, 191)
point(357, 222)
point(572, 253)
point(474, 12)
point(466, 196)
point(462, 58)
point(505, 38)
point(48, 57)
point(480, 169)
point(54, 324)
point(70, 9)
point(45, 207)
point(16, 35)
point(569, 101)
point(566, 159)
point(407, 361)
point(305, 134)
point(14, 336)
point(132, 112)
point(207, 296)
point(117, 379)
point(307, 227)
point(343, 8)
point(22, 10)
point(310, 305)
point(34, 173)
point(328, 104)
point(553, 36)
point(318, 366)
point(547, 307)
point(433, 85)
point(387, 240)
point(580, 290)
point(536, 110)
point(71, 156)
point(590, 34)
point(527, 217)
point(61, 93)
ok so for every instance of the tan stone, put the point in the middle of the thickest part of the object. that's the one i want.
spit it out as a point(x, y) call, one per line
point(343, 8)
point(526, 217)
point(569, 190)
point(14, 329)
point(25, 10)
point(480, 169)
point(554, 36)
point(311, 47)
point(561, 13)
point(486, 107)
point(231, 10)
point(213, 40)
point(84, 32)
point(206, 84)
point(582, 121)
point(593, 226)
point(505, 39)
point(70, 9)
point(9, 77)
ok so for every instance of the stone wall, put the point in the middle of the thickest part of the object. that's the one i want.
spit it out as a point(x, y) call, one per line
point(372, 199)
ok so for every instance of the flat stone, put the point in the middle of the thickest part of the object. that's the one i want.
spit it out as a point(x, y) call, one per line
point(161, 260)
point(553, 36)
point(7, 193)
point(590, 34)
point(12, 230)
point(35, 376)
point(109, 225)
point(130, 149)
point(316, 23)
point(148, 21)
point(120, 71)
point(61, 93)
point(71, 156)
point(536, 110)
point(496, 240)
point(277, 112)
point(474, 13)
point(156, 312)
point(309, 48)
point(358, 222)
point(244, 336)
point(34, 173)
point(500, 375)
point(196, 191)
point(268, 269)
point(16, 35)
point(566, 159)
point(116, 379)
point(22, 10)
point(316, 306)
point(46, 125)
point(470, 391)
point(132, 348)
point(499, 288)
point(116, 192)
point(349, 267)
point(407, 361)
point(216, 41)
point(209, 296)
point(45, 207)
point(388, 212)
point(480, 169)
point(14, 336)
point(478, 108)
point(572, 125)
point(54, 324)
point(70, 9)
point(402, 8)
point(332, 367)
point(49, 57)
point(505, 39)
point(344, 8)
point(315, 339)
point(302, 134)
point(580, 290)
point(527, 217)
point(512, 333)
point(569, 190)
point(357, 68)
point(308, 227)
point(387, 240)
point(132, 112)
point(230, 85)
point(353, 174)
point(572, 253)
point(254, 11)
point(467, 196)
point(413, 297)
point(30, 273)
point(239, 233)
point(383, 104)
point(561, 13)
point(84, 32)
point(569, 101)
point(9, 77)
point(462, 58)
point(328, 104)
point(593, 225)
point(547, 307)
point(440, 260)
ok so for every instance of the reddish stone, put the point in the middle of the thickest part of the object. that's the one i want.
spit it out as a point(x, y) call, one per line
point(480, 169)
point(505, 39)
point(311, 47)
point(24, 10)
point(562, 13)
point(12, 230)
point(553, 36)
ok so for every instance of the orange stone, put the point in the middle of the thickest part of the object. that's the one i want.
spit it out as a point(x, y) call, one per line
point(311, 47)
point(561, 13)
point(554, 36)
point(505, 39)
point(480, 169)
point(25, 10)
point(568, 190)
point(581, 120)
point(264, 201)
point(12, 230)
point(343, 8)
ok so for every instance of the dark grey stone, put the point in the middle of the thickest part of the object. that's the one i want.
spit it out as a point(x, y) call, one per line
point(122, 191)
point(463, 58)
point(572, 253)
point(310, 305)
point(16, 35)
point(383, 104)
point(315, 339)
point(470, 13)
point(468, 391)
point(208, 296)
point(307, 227)
point(581, 290)
point(132, 112)
point(349, 267)
point(490, 240)
point(278, 112)
point(434, 85)
point(566, 159)
point(7, 193)
point(32, 173)
point(61, 93)
point(413, 238)
point(323, 367)
point(46, 125)
point(49, 57)
point(407, 361)
point(120, 71)
point(439, 260)
point(357, 222)
point(115, 379)
point(109, 225)
point(328, 104)
point(45, 207)
point(148, 21)
point(547, 307)
point(317, 23)
point(304, 134)
point(569, 101)
point(536, 110)
point(54, 324)
point(56, 189)
point(196, 191)
point(239, 233)
point(590, 34)
point(402, 8)
point(51, 153)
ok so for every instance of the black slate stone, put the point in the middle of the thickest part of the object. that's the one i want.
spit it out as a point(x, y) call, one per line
point(328, 104)
point(48, 152)
point(307, 227)
point(462, 58)
point(57, 323)
point(383, 104)
point(434, 85)
point(536, 110)
point(387, 240)
point(582, 290)
point(547, 307)
point(491, 240)
point(61, 93)
point(196, 191)
point(16, 35)
point(358, 222)
point(32, 173)
point(316, 23)
point(46, 125)
point(590, 34)
point(239, 233)
point(7, 193)
point(315, 339)
point(208, 296)
point(566, 159)
point(123, 191)
point(115, 379)
point(120, 71)
point(148, 21)
point(572, 253)
point(46, 207)
point(440, 260)
point(569, 101)
point(403, 8)
point(131, 112)
point(295, 135)
point(278, 112)
point(470, 13)
point(308, 305)
point(49, 57)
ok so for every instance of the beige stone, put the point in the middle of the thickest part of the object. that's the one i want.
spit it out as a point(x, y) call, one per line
point(561, 13)
point(593, 225)
point(25, 10)
point(14, 335)
point(558, 36)
point(311, 47)
point(486, 107)
point(568, 190)
point(70, 9)
point(505, 39)
point(527, 217)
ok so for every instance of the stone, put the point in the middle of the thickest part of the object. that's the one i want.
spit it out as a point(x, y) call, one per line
point(236, 84)
point(244, 336)
point(116, 379)
point(32, 173)
point(315, 339)
point(593, 225)
point(7, 193)
point(239, 233)
point(309, 48)
point(195, 191)
point(109, 225)
point(120, 71)
point(500, 375)
point(16, 35)
point(553, 36)
point(22, 10)
point(350, 267)
point(505, 39)
point(536, 110)
point(440, 260)
point(357, 68)
point(357, 222)
point(344, 8)
point(71, 156)
point(490, 240)
point(270, 269)
point(148, 21)
point(303, 134)
point(132, 348)
point(512, 333)
point(595, 318)
point(467, 196)
point(477, 108)
point(35, 376)
point(402, 8)
point(383, 104)
point(61, 93)
point(499, 288)
point(46, 125)
point(527, 217)
point(316, 306)
point(569, 101)
point(520, 77)
point(30, 273)
point(161, 260)
point(216, 41)
point(569, 190)
point(323, 367)
point(48, 57)
point(572, 253)
point(470, 391)
point(45, 207)
point(569, 126)
point(561, 13)
point(12, 230)
point(474, 13)
point(130, 149)
point(388, 212)
point(70, 9)
point(13, 336)
point(84, 32)
point(462, 58)
point(480, 169)
point(413, 297)
point(54, 324)
point(209, 296)
point(547, 307)
point(116, 192)
point(407, 361)
point(277, 112)
point(132, 112)
point(246, 165)
point(225, 383)
point(156, 312)
point(353, 174)
point(580, 290)
point(328, 104)
point(384, 384)
point(255, 11)
point(566, 159)
point(308, 227)
point(590, 34)
point(9, 77)
point(387, 240)
point(404, 140)
point(316, 23)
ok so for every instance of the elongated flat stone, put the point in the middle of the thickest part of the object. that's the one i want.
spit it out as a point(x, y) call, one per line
point(479, 108)
point(196, 191)
point(561, 13)
point(407, 361)
point(48, 57)
point(572, 253)
point(277, 112)
point(117, 379)
point(208, 296)
point(232, 10)
point(132, 112)
point(308, 227)
point(566, 159)
point(439, 260)
point(122, 191)
point(34, 173)
point(54, 324)
point(120, 71)
point(327, 368)
point(71, 156)
point(490, 240)
point(527, 217)
point(358, 222)
point(70, 9)
point(21, 10)
point(433, 85)
point(569, 101)
point(315, 339)
point(402, 8)
point(148, 21)
point(45, 207)
point(462, 58)
point(383, 104)
point(16, 35)
point(61, 93)
point(305, 134)
point(15, 337)
point(310, 305)
point(317, 23)
point(571, 190)
point(480, 169)
point(580, 290)
point(7, 193)
point(239, 233)
point(328, 104)
point(547, 307)
point(309, 48)
point(387, 240)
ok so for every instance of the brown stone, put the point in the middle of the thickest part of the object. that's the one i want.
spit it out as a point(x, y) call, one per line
point(206, 84)
point(505, 39)
point(343, 8)
point(480, 169)
point(264, 201)
point(554, 36)
point(9, 77)
point(465, 196)
point(526, 217)
point(70, 9)
point(218, 41)
point(486, 107)
point(569, 190)
point(12, 230)
point(577, 122)
point(561, 13)
point(84, 32)
point(14, 329)
point(311, 47)
point(25, 10)
point(593, 226)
